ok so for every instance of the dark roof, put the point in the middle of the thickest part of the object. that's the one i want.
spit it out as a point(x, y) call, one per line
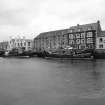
point(51, 33)
point(85, 27)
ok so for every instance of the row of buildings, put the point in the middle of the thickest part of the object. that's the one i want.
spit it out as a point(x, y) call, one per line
point(17, 43)
point(79, 37)
point(87, 36)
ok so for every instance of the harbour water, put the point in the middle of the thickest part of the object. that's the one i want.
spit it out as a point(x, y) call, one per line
point(36, 81)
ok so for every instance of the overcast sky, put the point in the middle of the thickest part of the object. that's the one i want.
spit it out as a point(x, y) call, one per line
point(31, 17)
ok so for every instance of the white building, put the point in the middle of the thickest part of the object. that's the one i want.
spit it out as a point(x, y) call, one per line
point(100, 41)
point(18, 42)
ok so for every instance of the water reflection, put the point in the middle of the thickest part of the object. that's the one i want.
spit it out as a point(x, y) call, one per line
point(37, 81)
point(82, 78)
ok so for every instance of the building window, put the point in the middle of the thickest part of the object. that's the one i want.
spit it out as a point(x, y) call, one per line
point(29, 43)
point(89, 28)
point(21, 44)
point(82, 35)
point(101, 46)
point(79, 30)
point(18, 44)
point(70, 36)
point(83, 46)
point(90, 46)
point(82, 41)
point(70, 30)
point(89, 40)
point(24, 43)
point(77, 35)
point(100, 40)
point(76, 47)
point(78, 41)
point(79, 47)
point(89, 34)
point(71, 42)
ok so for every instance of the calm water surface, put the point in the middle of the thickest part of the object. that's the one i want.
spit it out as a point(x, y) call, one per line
point(35, 81)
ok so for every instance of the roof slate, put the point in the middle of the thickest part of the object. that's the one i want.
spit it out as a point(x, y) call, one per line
point(85, 27)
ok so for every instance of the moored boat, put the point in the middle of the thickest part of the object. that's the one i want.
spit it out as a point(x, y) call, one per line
point(85, 54)
point(76, 56)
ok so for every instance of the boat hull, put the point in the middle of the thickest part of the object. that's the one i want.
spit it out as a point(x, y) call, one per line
point(65, 56)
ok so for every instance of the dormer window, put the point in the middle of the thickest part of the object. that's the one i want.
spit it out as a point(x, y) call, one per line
point(79, 30)
point(71, 31)
point(89, 28)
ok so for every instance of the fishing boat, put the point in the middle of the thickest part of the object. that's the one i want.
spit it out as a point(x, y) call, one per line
point(70, 54)
point(73, 56)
